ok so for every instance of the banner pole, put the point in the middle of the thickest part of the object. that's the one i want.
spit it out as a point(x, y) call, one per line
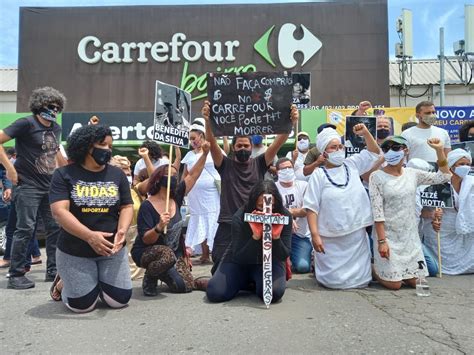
point(168, 183)
point(440, 273)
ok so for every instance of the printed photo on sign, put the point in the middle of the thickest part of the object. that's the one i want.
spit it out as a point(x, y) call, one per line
point(255, 103)
point(354, 143)
point(301, 90)
point(172, 115)
point(437, 196)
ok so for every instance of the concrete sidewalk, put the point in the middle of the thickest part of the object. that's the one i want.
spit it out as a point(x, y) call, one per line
point(310, 319)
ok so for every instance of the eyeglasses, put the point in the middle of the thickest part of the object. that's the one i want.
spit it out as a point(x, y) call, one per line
point(302, 137)
point(394, 147)
point(54, 107)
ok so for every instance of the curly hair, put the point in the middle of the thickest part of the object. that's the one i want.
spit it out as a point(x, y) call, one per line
point(82, 139)
point(154, 150)
point(45, 96)
point(464, 131)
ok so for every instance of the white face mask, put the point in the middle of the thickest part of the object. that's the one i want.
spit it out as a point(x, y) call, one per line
point(462, 170)
point(286, 175)
point(129, 178)
point(303, 145)
point(393, 158)
point(337, 158)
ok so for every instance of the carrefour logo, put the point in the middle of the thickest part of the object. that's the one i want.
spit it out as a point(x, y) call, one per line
point(288, 45)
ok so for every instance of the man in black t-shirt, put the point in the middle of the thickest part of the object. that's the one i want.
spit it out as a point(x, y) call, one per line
point(37, 147)
point(238, 174)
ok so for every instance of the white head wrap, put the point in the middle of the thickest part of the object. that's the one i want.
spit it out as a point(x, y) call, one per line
point(456, 154)
point(420, 164)
point(323, 138)
point(199, 124)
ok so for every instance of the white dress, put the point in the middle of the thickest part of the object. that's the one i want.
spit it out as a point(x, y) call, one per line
point(394, 203)
point(204, 203)
point(343, 214)
point(457, 247)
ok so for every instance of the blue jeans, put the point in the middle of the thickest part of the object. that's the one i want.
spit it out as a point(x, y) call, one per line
point(300, 256)
point(431, 262)
point(29, 201)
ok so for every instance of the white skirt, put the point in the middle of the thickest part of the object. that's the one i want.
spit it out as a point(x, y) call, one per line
point(346, 263)
point(201, 227)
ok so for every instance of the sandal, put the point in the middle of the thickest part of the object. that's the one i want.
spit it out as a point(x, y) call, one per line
point(56, 288)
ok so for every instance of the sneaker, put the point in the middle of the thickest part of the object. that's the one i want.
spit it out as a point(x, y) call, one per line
point(150, 286)
point(49, 277)
point(20, 283)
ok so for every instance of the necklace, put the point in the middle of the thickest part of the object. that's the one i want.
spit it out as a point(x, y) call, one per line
point(332, 181)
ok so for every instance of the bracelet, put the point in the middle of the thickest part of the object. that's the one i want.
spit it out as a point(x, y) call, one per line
point(442, 163)
point(157, 231)
point(382, 241)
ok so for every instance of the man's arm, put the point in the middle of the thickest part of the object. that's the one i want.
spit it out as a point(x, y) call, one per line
point(216, 151)
point(10, 169)
point(280, 139)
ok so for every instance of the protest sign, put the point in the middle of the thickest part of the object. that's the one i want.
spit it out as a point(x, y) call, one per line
point(451, 118)
point(437, 196)
point(301, 90)
point(354, 143)
point(172, 115)
point(254, 103)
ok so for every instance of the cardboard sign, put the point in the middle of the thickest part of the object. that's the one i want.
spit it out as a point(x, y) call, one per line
point(255, 103)
point(172, 115)
point(355, 144)
point(437, 196)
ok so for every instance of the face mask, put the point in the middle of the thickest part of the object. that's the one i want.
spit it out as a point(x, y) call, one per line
point(243, 155)
point(337, 158)
point(48, 114)
point(303, 144)
point(429, 119)
point(173, 182)
point(462, 170)
point(383, 133)
point(101, 156)
point(393, 158)
point(470, 138)
point(286, 175)
point(130, 180)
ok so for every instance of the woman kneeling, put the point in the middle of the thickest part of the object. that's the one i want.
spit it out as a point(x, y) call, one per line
point(241, 265)
point(91, 201)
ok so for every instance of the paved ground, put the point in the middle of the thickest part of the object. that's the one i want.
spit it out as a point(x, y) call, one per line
point(310, 319)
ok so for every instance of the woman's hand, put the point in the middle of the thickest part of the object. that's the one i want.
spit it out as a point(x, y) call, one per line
point(276, 230)
point(205, 111)
point(164, 220)
point(142, 152)
point(384, 250)
point(361, 130)
point(118, 241)
point(317, 243)
point(100, 245)
point(206, 147)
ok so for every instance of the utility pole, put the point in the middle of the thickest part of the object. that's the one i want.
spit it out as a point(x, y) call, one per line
point(441, 66)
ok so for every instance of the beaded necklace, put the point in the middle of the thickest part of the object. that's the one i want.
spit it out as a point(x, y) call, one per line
point(332, 181)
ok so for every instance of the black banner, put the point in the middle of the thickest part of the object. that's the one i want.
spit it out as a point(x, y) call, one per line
point(250, 103)
point(354, 143)
point(437, 196)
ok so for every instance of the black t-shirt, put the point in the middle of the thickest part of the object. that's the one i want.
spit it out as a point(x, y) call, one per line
point(148, 218)
point(95, 200)
point(36, 147)
point(237, 181)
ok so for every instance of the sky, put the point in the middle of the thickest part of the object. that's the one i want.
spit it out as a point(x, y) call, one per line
point(428, 17)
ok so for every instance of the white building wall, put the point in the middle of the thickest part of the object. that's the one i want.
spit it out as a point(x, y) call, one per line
point(7, 102)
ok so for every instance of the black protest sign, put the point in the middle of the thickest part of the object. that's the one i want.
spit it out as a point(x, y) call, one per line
point(255, 103)
point(437, 196)
point(301, 90)
point(172, 115)
point(354, 143)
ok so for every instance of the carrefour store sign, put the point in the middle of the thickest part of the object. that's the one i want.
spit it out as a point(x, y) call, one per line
point(106, 59)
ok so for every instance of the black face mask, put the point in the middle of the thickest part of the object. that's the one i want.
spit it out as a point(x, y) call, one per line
point(383, 133)
point(470, 138)
point(173, 183)
point(243, 155)
point(101, 156)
